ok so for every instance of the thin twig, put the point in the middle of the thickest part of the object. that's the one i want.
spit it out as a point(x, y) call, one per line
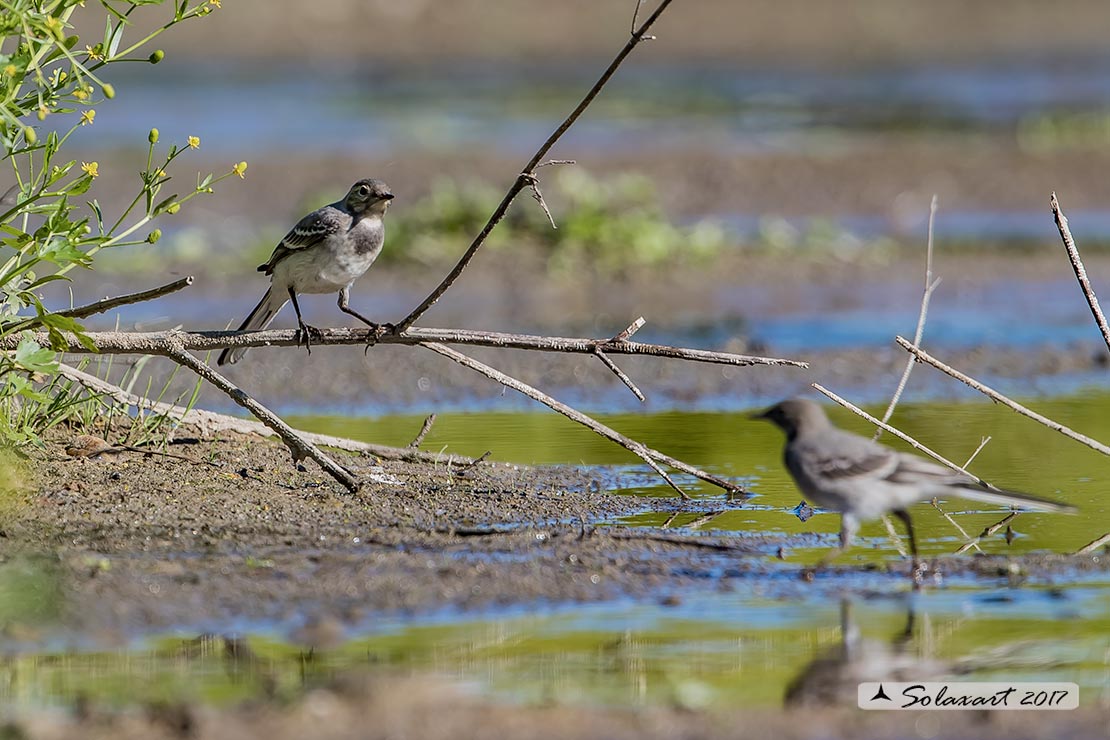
point(700, 541)
point(930, 286)
point(899, 434)
point(702, 520)
point(522, 180)
point(988, 532)
point(476, 461)
point(537, 195)
point(894, 536)
point(954, 523)
point(209, 422)
point(607, 362)
point(159, 342)
point(1080, 271)
point(982, 444)
point(994, 395)
point(1094, 544)
point(106, 305)
point(298, 445)
point(647, 454)
point(625, 334)
point(424, 429)
point(508, 381)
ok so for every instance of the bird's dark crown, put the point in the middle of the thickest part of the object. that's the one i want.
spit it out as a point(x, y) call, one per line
point(366, 193)
point(791, 414)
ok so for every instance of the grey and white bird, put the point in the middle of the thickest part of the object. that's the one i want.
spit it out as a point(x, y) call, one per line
point(863, 479)
point(325, 252)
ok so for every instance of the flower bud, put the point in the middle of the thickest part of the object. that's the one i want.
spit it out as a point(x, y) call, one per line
point(173, 208)
point(157, 56)
point(109, 91)
point(154, 236)
point(152, 137)
point(29, 135)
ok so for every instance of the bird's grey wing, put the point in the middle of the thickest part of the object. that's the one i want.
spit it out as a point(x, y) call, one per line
point(310, 230)
point(840, 457)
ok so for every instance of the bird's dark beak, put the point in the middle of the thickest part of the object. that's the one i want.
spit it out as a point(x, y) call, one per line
point(388, 196)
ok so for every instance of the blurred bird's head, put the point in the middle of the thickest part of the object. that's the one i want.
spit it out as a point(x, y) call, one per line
point(790, 416)
point(369, 197)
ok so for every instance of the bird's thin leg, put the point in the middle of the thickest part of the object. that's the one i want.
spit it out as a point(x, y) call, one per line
point(305, 330)
point(848, 528)
point(345, 297)
point(916, 566)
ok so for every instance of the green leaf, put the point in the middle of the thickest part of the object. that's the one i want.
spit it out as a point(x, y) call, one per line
point(33, 358)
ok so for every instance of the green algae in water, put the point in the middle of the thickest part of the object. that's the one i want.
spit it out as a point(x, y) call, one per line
point(1022, 455)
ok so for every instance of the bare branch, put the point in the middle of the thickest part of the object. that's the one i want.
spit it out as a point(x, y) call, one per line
point(537, 195)
point(982, 444)
point(628, 331)
point(106, 305)
point(894, 536)
point(424, 429)
point(522, 180)
point(209, 422)
point(298, 445)
point(987, 532)
point(1080, 271)
point(605, 360)
point(648, 455)
point(899, 434)
point(1094, 544)
point(994, 395)
point(954, 523)
point(203, 341)
point(930, 286)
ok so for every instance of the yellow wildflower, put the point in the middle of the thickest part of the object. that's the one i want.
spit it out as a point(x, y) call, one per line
point(81, 94)
point(194, 142)
point(92, 169)
point(11, 70)
point(240, 170)
point(87, 117)
point(215, 2)
point(94, 52)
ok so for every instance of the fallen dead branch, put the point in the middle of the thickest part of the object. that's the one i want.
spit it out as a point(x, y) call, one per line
point(652, 457)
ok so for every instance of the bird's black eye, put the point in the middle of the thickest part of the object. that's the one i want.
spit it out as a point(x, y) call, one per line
point(363, 190)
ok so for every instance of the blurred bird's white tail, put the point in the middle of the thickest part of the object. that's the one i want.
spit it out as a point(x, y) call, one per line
point(1012, 498)
point(258, 319)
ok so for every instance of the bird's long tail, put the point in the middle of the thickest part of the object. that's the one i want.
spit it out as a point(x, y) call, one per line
point(1012, 498)
point(258, 319)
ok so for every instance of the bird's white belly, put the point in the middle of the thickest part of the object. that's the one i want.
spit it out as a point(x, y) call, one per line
point(317, 271)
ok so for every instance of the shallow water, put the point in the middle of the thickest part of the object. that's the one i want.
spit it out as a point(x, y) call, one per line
point(704, 650)
point(1021, 455)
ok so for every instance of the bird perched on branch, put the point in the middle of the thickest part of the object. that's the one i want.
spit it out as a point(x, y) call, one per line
point(863, 479)
point(326, 251)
